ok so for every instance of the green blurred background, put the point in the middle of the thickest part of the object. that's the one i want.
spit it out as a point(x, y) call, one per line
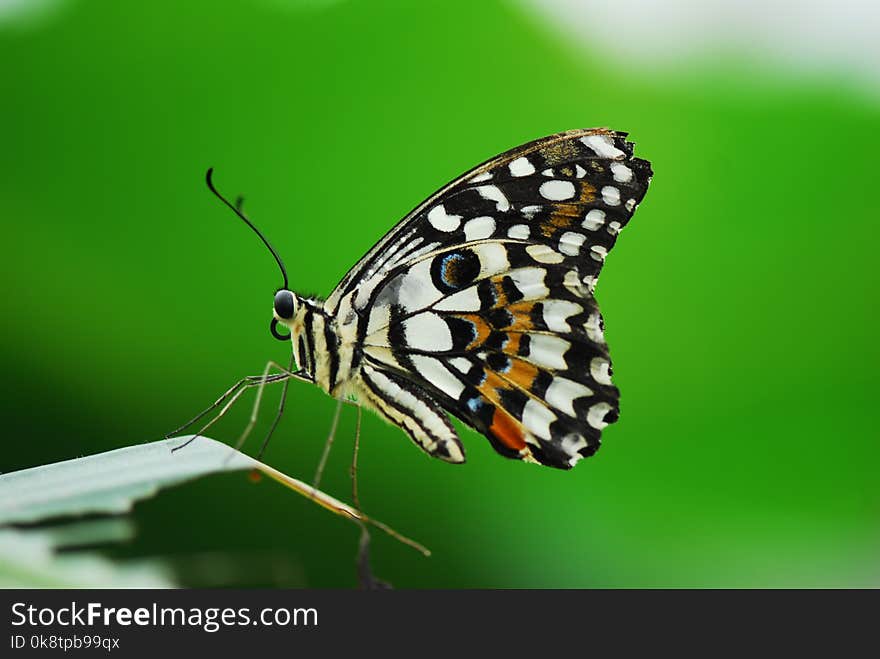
point(738, 303)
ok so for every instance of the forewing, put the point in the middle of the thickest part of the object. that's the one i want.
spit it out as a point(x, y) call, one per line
point(542, 192)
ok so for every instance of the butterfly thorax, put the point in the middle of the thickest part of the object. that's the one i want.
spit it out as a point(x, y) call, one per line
point(323, 347)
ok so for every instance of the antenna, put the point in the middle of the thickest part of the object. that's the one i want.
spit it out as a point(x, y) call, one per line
point(237, 210)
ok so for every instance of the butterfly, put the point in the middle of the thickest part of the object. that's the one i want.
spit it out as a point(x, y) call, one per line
point(479, 304)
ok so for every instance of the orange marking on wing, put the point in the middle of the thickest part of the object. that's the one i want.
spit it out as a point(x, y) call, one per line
point(565, 215)
point(511, 346)
point(504, 427)
point(523, 307)
point(492, 382)
point(500, 295)
point(507, 430)
point(522, 374)
point(566, 210)
point(558, 152)
point(557, 220)
point(480, 326)
point(522, 322)
point(522, 316)
point(455, 271)
point(588, 193)
point(498, 288)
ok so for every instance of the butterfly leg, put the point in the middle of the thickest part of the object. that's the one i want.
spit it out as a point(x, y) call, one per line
point(354, 460)
point(250, 380)
point(278, 414)
point(204, 412)
point(233, 394)
point(285, 376)
point(327, 444)
point(210, 423)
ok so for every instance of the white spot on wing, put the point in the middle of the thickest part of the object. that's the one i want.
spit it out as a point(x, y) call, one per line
point(593, 327)
point(600, 370)
point(479, 228)
point(596, 415)
point(521, 167)
point(611, 195)
point(571, 444)
point(557, 190)
point(464, 300)
point(492, 193)
point(630, 204)
point(441, 221)
point(537, 418)
point(412, 290)
point(493, 258)
point(573, 283)
point(485, 176)
point(579, 171)
point(621, 173)
point(529, 212)
point(603, 145)
point(518, 231)
point(460, 364)
point(548, 350)
point(434, 372)
point(562, 393)
point(427, 331)
point(530, 282)
point(593, 220)
point(598, 252)
point(557, 311)
point(544, 254)
point(570, 243)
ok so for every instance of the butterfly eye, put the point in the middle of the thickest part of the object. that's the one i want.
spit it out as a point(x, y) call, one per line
point(285, 304)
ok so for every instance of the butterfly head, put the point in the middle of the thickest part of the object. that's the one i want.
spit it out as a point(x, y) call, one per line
point(284, 310)
point(297, 315)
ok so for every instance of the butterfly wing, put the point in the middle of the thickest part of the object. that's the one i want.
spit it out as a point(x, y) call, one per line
point(481, 302)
